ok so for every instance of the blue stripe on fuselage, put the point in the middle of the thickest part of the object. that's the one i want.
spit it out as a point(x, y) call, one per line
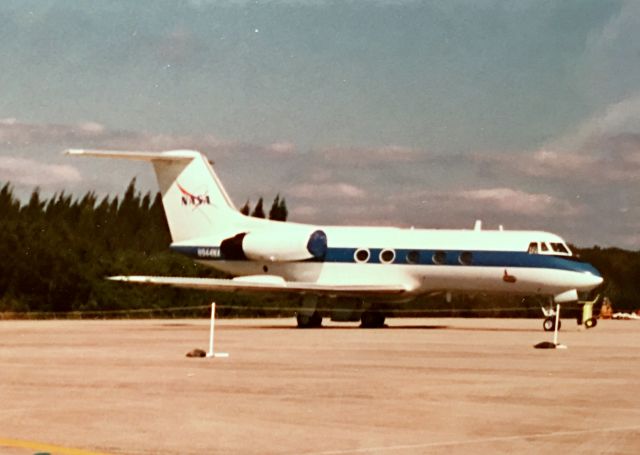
point(479, 258)
point(425, 257)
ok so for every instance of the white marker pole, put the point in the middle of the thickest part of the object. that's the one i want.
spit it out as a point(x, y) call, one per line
point(211, 353)
point(555, 332)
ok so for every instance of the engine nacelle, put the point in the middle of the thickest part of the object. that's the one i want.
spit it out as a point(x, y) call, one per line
point(275, 245)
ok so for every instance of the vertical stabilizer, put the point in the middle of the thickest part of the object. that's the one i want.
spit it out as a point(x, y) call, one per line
point(195, 202)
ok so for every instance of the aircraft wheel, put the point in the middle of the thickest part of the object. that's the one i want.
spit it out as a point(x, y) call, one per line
point(591, 323)
point(372, 320)
point(312, 321)
point(549, 324)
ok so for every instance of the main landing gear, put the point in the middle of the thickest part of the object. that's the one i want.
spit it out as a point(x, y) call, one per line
point(308, 316)
point(368, 320)
point(309, 321)
point(372, 320)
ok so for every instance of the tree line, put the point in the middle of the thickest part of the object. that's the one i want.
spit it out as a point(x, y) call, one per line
point(56, 252)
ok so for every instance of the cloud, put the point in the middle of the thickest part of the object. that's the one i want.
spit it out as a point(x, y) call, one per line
point(603, 149)
point(15, 135)
point(327, 191)
point(91, 127)
point(360, 155)
point(611, 61)
point(592, 171)
point(543, 163)
point(513, 201)
point(496, 200)
point(304, 211)
point(243, 3)
point(616, 119)
point(283, 148)
point(30, 172)
point(550, 188)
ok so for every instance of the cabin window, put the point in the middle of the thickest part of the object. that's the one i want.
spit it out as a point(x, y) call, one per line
point(533, 248)
point(439, 257)
point(387, 256)
point(362, 255)
point(543, 246)
point(465, 258)
point(413, 257)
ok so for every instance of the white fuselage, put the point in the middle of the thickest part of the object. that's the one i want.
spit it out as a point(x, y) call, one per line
point(424, 260)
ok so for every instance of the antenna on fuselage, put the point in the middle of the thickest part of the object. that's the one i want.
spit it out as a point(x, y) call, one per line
point(478, 225)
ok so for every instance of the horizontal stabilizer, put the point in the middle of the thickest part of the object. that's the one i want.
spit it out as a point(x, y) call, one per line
point(265, 284)
point(172, 155)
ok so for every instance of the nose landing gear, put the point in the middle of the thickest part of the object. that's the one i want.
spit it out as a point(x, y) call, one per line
point(584, 315)
point(549, 324)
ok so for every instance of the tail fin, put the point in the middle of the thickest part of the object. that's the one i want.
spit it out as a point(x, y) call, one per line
point(195, 202)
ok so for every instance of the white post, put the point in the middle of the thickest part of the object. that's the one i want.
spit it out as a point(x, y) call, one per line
point(211, 352)
point(555, 332)
point(555, 335)
point(212, 329)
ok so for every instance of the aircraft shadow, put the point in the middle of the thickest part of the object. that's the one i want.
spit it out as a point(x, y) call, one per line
point(338, 328)
point(386, 327)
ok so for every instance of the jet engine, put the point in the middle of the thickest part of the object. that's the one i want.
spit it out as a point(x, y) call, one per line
point(275, 245)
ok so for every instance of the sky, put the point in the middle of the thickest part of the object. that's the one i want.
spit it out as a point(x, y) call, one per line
point(524, 114)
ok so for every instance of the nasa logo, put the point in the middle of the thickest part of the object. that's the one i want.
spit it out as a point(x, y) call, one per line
point(194, 200)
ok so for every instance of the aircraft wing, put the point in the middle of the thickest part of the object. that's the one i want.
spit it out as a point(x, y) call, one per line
point(262, 283)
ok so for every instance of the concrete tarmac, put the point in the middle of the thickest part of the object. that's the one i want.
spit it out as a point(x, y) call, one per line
point(438, 386)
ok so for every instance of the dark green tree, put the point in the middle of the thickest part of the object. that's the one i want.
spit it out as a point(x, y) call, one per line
point(275, 206)
point(278, 210)
point(245, 208)
point(258, 211)
point(283, 211)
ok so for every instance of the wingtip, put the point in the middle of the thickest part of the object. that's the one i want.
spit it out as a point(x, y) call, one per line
point(118, 278)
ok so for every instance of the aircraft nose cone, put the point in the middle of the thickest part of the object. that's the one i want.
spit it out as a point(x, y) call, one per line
point(595, 278)
point(597, 281)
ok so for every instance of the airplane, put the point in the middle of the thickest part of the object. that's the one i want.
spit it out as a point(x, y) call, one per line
point(376, 266)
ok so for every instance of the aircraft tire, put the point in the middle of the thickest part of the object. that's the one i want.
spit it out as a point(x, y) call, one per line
point(309, 322)
point(372, 320)
point(549, 324)
point(591, 323)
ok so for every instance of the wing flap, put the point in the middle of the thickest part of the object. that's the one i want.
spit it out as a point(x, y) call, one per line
point(264, 284)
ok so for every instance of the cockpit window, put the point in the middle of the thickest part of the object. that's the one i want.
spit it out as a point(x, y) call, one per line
point(549, 248)
point(559, 248)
